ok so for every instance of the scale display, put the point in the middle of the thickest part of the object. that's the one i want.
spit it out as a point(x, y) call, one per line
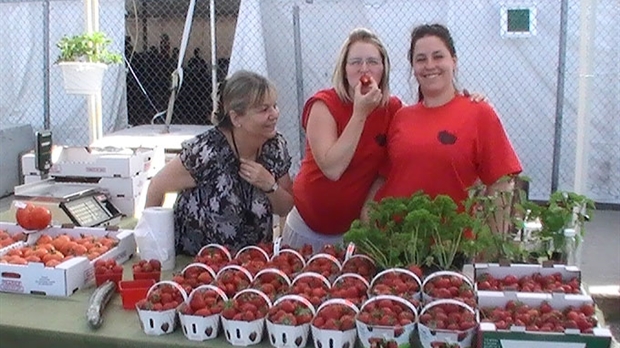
point(86, 211)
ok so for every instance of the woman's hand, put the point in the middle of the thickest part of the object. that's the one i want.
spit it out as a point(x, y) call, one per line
point(475, 97)
point(254, 173)
point(364, 103)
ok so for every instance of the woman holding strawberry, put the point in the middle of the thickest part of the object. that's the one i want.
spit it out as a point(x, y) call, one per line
point(232, 178)
point(444, 143)
point(345, 129)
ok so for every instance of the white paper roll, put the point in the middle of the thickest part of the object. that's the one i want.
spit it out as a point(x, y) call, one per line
point(154, 235)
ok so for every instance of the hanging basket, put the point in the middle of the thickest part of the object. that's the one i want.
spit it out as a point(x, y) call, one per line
point(82, 77)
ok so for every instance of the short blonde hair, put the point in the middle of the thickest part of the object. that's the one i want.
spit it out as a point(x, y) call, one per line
point(339, 78)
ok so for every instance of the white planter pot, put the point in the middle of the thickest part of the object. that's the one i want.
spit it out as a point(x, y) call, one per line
point(82, 77)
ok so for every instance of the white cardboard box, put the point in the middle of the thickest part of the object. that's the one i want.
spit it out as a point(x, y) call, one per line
point(81, 162)
point(69, 276)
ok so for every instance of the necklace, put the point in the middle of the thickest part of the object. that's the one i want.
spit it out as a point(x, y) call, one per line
point(246, 193)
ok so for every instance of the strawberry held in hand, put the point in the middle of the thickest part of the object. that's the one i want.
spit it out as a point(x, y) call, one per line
point(365, 80)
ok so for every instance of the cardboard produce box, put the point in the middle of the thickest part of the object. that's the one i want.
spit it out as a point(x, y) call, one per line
point(501, 270)
point(514, 337)
point(67, 277)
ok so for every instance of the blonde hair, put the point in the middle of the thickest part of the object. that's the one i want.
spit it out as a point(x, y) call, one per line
point(339, 78)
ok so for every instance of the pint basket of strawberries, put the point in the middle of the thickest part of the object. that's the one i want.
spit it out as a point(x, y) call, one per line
point(288, 261)
point(215, 256)
point(200, 314)
point(271, 281)
point(448, 285)
point(398, 282)
point(447, 321)
point(385, 319)
point(147, 269)
point(288, 321)
point(251, 258)
point(360, 264)
point(334, 324)
point(232, 279)
point(157, 312)
point(350, 286)
point(243, 317)
point(324, 264)
point(313, 286)
point(194, 275)
point(108, 270)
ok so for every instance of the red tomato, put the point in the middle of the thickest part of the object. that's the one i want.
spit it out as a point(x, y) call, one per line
point(33, 217)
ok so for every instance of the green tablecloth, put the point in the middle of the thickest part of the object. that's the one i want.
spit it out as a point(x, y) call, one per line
point(36, 321)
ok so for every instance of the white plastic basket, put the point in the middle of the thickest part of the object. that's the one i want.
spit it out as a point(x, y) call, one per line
point(253, 247)
point(463, 339)
point(398, 333)
point(432, 276)
point(244, 333)
point(334, 338)
point(375, 280)
point(287, 336)
point(159, 322)
point(198, 328)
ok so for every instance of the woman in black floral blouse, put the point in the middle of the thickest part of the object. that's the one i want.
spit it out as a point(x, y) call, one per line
point(232, 178)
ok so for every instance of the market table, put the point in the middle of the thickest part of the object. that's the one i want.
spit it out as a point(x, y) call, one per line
point(38, 321)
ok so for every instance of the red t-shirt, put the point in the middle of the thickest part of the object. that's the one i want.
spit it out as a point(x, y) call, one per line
point(444, 150)
point(327, 206)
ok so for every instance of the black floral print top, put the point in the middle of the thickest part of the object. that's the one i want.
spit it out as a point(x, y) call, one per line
point(223, 208)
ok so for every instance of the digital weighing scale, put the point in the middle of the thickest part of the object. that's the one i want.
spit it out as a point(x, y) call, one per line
point(69, 201)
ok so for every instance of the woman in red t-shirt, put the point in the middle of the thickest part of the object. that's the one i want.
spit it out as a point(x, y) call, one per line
point(346, 130)
point(444, 143)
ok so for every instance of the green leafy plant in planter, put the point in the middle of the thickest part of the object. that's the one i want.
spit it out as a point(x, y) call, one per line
point(87, 47)
point(83, 60)
point(564, 210)
point(415, 230)
point(500, 217)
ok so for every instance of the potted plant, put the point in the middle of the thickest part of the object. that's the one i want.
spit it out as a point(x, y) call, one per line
point(564, 210)
point(501, 215)
point(417, 230)
point(83, 59)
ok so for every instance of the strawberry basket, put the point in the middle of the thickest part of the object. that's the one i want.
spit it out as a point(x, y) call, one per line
point(288, 322)
point(324, 264)
point(313, 286)
point(157, 313)
point(333, 325)
point(350, 286)
point(288, 261)
point(200, 314)
point(194, 275)
point(271, 281)
point(360, 264)
point(384, 319)
point(251, 258)
point(396, 281)
point(215, 256)
point(243, 317)
point(232, 279)
point(448, 285)
point(448, 322)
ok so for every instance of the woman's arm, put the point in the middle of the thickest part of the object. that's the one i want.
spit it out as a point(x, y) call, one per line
point(173, 177)
point(376, 185)
point(332, 153)
point(282, 198)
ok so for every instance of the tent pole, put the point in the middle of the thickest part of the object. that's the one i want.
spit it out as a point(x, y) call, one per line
point(586, 34)
point(95, 119)
point(213, 54)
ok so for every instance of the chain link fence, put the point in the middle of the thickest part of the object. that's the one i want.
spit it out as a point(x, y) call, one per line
point(526, 56)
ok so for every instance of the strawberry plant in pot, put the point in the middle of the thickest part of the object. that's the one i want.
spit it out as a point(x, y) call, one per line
point(83, 59)
point(499, 216)
point(563, 210)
